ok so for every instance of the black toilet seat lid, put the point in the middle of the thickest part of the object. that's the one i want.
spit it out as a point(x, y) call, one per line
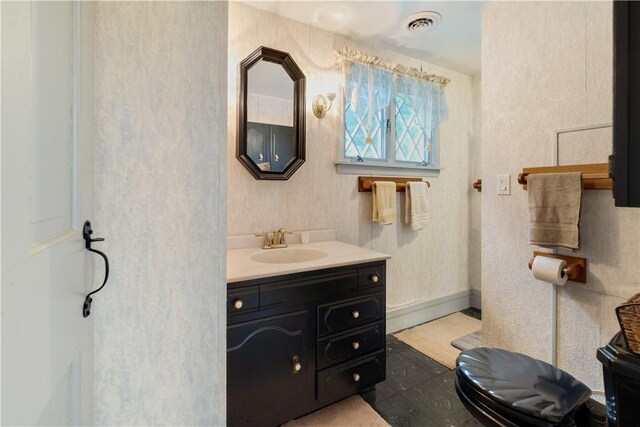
point(526, 385)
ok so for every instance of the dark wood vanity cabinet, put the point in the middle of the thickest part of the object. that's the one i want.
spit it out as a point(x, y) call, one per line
point(269, 361)
point(298, 342)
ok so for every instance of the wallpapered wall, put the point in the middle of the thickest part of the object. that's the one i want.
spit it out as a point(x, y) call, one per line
point(160, 188)
point(537, 79)
point(427, 264)
point(475, 171)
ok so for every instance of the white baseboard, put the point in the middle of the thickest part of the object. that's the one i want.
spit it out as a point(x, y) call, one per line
point(415, 314)
point(476, 298)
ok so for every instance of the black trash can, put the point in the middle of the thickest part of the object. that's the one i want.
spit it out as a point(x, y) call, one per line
point(621, 371)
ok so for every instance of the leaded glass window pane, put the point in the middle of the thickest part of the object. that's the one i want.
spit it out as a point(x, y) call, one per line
point(411, 139)
point(358, 142)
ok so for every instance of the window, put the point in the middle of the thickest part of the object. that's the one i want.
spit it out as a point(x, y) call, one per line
point(411, 141)
point(390, 121)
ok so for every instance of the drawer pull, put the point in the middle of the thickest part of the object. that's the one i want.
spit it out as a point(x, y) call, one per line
point(296, 365)
point(238, 304)
point(374, 278)
point(355, 345)
point(355, 314)
point(356, 377)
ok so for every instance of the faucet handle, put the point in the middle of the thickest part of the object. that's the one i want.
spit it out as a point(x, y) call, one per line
point(282, 231)
point(267, 240)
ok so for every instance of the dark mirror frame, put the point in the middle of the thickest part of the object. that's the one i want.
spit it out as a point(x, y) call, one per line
point(624, 163)
point(299, 83)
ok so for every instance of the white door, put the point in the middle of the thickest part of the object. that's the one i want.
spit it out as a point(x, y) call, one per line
point(47, 193)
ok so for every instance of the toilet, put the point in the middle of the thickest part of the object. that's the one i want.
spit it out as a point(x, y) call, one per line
point(503, 388)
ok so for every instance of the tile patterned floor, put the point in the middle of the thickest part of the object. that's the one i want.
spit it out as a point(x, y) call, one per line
point(418, 391)
point(473, 312)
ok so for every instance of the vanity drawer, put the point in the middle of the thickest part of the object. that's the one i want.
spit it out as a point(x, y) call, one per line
point(336, 317)
point(306, 290)
point(349, 378)
point(373, 276)
point(243, 300)
point(340, 348)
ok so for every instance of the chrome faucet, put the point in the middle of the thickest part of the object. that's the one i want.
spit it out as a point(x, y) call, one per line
point(274, 240)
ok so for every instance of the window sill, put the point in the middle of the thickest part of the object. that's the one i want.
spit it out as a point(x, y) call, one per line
point(371, 168)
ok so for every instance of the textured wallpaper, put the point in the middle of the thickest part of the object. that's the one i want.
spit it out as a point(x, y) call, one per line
point(160, 203)
point(475, 202)
point(537, 79)
point(427, 264)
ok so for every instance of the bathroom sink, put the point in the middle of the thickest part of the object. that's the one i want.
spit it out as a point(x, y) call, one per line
point(288, 255)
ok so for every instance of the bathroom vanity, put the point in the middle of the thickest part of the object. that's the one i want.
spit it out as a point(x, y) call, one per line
point(298, 341)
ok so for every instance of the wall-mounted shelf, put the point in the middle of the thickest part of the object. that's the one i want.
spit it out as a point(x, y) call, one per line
point(595, 176)
point(366, 182)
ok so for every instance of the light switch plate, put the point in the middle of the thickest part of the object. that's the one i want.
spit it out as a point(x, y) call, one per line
point(504, 184)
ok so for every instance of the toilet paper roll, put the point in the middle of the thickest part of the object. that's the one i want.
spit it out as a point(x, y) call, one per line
point(549, 270)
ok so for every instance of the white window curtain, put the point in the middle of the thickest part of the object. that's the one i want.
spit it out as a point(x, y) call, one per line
point(367, 91)
point(370, 88)
point(426, 98)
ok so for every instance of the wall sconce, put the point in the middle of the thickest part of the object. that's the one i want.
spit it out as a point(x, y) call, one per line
point(320, 106)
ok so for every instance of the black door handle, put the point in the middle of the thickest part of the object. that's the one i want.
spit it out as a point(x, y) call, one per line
point(86, 234)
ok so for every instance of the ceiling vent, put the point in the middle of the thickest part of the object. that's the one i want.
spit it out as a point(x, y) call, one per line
point(422, 21)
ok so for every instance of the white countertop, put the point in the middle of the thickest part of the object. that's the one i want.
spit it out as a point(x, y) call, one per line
point(241, 267)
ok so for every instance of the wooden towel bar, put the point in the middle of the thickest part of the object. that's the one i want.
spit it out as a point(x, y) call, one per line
point(595, 176)
point(366, 182)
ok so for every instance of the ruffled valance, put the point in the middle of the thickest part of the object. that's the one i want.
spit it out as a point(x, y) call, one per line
point(365, 59)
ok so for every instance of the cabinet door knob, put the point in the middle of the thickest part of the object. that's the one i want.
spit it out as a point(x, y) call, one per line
point(296, 365)
point(355, 314)
point(375, 278)
point(356, 377)
point(355, 345)
point(238, 304)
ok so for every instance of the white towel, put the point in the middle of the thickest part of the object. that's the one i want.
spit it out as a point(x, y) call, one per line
point(416, 209)
point(384, 202)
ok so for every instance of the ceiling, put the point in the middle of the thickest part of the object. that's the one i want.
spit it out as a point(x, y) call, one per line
point(454, 43)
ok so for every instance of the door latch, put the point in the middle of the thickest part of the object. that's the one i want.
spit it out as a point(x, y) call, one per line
point(87, 231)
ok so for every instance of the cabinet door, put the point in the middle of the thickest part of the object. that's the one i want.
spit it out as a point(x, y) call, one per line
point(283, 146)
point(259, 144)
point(269, 371)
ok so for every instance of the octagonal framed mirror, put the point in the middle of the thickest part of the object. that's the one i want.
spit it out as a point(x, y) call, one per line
point(271, 115)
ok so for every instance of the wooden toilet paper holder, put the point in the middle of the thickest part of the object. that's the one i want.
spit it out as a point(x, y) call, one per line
point(576, 267)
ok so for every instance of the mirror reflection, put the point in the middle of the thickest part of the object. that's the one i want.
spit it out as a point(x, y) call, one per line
point(270, 116)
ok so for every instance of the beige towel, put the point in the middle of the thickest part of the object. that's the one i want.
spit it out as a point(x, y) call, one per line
point(416, 212)
point(384, 201)
point(554, 209)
